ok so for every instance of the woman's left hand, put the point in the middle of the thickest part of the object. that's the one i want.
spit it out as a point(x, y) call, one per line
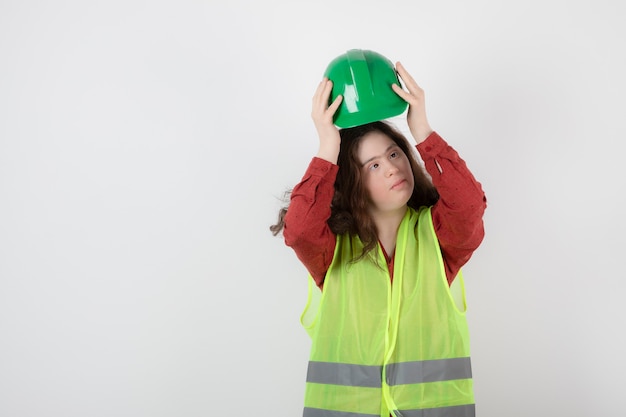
point(416, 116)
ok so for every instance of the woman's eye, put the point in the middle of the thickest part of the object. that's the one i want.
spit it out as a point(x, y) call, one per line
point(373, 166)
point(393, 155)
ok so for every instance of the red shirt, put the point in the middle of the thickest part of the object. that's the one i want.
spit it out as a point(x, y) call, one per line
point(457, 215)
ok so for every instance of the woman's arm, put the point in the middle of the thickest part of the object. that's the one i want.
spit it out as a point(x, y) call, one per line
point(306, 230)
point(458, 215)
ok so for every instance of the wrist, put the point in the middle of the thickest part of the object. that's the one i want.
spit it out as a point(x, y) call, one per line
point(328, 152)
point(421, 134)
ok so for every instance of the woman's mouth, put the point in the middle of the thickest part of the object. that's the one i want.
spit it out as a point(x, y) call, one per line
point(398, 184)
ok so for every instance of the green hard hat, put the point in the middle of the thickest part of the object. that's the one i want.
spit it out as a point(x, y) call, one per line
point(364, 79)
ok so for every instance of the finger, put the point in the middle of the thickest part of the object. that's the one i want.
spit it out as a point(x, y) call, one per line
point(328, 88)
point(323, 92)
point(319, 89)
point(409, 82)
point(335, 104)
point(320, 100)
point(403, 94)
point(403, 72)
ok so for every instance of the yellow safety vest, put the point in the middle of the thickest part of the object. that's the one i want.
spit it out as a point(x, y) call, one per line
point(379, 348)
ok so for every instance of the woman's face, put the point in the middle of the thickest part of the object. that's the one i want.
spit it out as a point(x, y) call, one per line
point(386, 172)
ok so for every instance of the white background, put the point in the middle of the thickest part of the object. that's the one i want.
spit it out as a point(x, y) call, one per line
point(144, 148)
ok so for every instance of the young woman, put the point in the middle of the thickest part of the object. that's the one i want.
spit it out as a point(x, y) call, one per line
point(385, 243)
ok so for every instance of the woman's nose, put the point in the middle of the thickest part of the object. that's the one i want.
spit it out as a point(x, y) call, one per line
point(391, 169)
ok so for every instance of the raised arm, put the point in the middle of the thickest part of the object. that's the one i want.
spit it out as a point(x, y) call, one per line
point(306, 230)
point(457, 216)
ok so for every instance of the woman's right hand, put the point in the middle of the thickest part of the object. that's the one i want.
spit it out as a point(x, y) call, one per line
point(322, 115)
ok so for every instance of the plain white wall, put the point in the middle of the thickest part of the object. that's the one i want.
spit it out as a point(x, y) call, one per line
point(144, 146)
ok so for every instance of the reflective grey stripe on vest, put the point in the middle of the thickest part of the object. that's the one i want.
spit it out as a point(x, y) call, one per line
point(428, 371)
point(318, 412)
point(344, 374)
point(468, 410)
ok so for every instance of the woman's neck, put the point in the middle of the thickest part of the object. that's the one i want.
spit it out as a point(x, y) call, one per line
point(387, 224)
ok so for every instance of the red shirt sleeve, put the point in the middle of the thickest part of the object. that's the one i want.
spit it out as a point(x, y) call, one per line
point(306, 229)
point(458, 215)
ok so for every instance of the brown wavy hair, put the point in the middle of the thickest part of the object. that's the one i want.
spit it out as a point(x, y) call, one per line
point(349, 207)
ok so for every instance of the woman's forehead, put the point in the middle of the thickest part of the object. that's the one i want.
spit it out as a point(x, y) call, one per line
point(374, 144)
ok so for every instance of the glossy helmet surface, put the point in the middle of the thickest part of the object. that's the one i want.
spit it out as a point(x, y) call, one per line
point(364, 79)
